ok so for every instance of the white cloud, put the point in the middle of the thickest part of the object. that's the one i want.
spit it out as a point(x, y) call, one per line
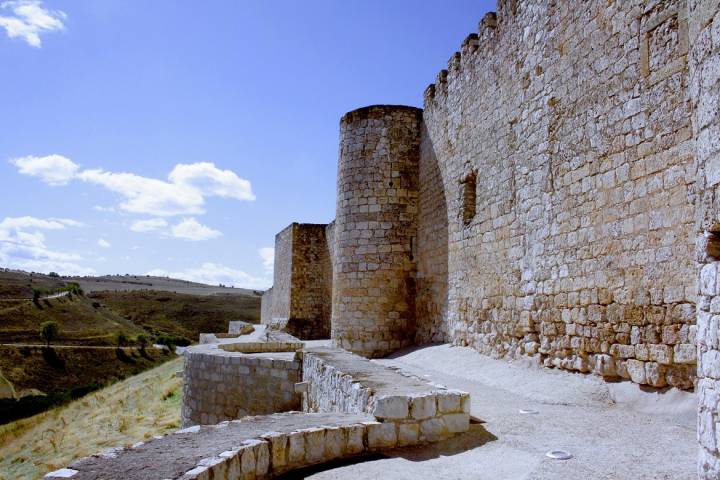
point(24, 223)
point(100, 208)
point(268, 258)
point(28, 19)
point(191, 229)
point(148, 225)
point(22, 246)
point(103, 243)
point(148, 195)
point(210, 180)
point(183, 194)
point(52, 169)
point(214, 274)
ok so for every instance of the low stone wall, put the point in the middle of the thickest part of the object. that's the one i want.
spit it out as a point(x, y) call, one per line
point(223, 385)
point(368, 408)
point(411, 410)
point(329, 389)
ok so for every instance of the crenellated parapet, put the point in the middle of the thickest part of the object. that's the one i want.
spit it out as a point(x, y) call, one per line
point(474, 44)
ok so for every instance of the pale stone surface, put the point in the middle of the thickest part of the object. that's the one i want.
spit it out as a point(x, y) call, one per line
point(423, 407)
point(408, 434)
point(391, 407)
point(382, 435)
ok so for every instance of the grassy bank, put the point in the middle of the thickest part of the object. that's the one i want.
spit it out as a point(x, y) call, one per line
point(127, 412)
point(44, 377)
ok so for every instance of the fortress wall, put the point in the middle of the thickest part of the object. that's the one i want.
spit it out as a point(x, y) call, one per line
point(221, 385)
point(704, 21)
point(576, 243)
point(432, 248)
point(301, 297)
point(277, 305)
point(310, 299)
point(373, 310)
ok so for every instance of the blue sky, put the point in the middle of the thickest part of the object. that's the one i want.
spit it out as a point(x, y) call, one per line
point(177, 137)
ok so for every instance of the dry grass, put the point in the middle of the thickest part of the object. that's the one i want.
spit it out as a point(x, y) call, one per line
point(125, 413)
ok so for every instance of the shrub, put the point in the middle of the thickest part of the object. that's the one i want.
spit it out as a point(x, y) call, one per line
point(142, 340)
point(49, 331)
point(121, 339)
point(37, 293)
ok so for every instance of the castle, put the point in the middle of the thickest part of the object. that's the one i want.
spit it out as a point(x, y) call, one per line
point(557, 198)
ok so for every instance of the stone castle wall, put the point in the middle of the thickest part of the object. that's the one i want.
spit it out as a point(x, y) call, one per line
point(221, 385)
point(704, 21)
point(557, 165)
point(300, 300)
point(373, 309)
point(276, 301)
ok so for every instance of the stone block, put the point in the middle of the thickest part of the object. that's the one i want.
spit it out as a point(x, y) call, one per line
point(685, 353)
point(449, 402)
point(636, 371)
point(278, 444)
point(423, 407)
point(354, 438)
point(655, 374)
point(296, 448)
point(457, 422)
point(604, 365)
point(197, 473)
point(408, 434)
point(433, 429)
point(381, 435)
point(314, 444)
point(334, 443)
point(465, 403)
point(661, 353)
point(247, 462)
point(262, 459)
point(391, 407)
point(232, 463)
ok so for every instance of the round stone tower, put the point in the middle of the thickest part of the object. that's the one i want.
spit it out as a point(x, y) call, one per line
point(373, 310)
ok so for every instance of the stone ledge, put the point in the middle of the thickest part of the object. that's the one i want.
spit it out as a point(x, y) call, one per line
point(254, 447)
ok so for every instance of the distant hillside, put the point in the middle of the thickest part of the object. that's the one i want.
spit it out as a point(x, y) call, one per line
point(180, 314)
point(82, 321)
point(15, 285)
point(115, 307)
point(141, 282)
point(127, 412)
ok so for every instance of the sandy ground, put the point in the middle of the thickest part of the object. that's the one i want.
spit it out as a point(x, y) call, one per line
point(614, 431)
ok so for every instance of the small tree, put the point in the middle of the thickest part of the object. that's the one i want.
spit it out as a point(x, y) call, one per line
point(49, 331)
point(122, 339)
point(37, 293)
point(142, 340)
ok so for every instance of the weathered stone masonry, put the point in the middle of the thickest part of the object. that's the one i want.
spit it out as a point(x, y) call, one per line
point(704, 26)
point(562, 204)
point(375, 230)
point(543, 205)
point(300, 301)
point(577, 123)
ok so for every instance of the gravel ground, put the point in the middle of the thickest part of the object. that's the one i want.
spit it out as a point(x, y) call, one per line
point(613, 431)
